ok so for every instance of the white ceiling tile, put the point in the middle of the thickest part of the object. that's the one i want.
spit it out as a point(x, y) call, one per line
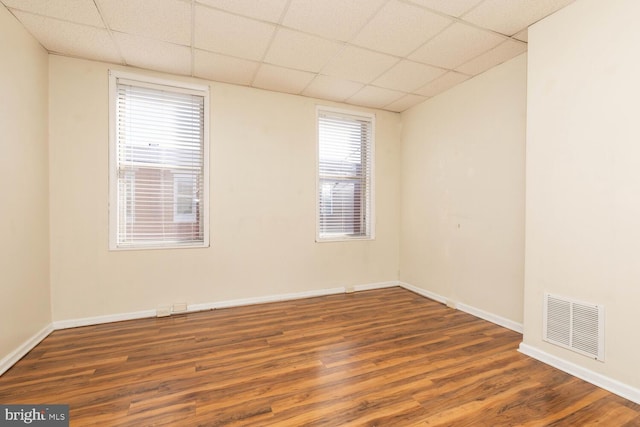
point(449, 7)
point(301, 51)
point(170, 22)
point(265, 10)
point(71, 39)
point(510, 16)
point(456, 45)
point(375, 97)
point(442, 83)
point(78, 11)
point(154, 54)
point(495, 56)
point(335, 89)
point(328, 49)
point(523, 35)
point(405, 103)
point(399, 28)
point(223, 68)
point(357, 64)
point(282, 79)
point(233, 35)
point(408, 76)
point(332, 19)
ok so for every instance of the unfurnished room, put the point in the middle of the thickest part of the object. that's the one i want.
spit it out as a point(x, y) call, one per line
point(319, 213)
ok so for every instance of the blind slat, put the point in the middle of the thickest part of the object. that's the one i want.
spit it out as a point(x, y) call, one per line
point(345, 147)
point(160, 165)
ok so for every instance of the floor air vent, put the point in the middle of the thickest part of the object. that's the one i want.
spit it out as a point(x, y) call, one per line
point(574, 325)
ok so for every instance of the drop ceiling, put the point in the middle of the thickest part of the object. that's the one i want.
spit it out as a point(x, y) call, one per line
point(387, 54)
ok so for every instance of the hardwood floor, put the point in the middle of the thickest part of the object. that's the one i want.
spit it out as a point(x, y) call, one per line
point(378, 358)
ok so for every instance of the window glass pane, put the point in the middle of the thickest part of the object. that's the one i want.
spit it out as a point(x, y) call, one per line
point(185, 194)
point(159, 148)
point(326, 199)
point(344, 175)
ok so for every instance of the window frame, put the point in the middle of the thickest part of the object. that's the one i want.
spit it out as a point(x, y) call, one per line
point(370, 235)
point(159, 83)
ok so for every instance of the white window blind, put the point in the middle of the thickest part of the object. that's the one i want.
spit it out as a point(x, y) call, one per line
point(345, 176)
point(158, 164)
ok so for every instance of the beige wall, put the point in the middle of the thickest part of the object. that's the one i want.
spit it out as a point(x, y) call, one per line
point(449, 192)
point(262, 206)
point(462, 224)
point(24, 210)
point(583, 175)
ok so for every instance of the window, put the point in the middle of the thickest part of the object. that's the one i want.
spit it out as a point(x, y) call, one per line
point(326, 199)
point(158, 189)
point(185, 190)
point(128, 192)
point(345, 175)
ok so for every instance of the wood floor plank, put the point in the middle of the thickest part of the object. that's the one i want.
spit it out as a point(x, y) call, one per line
point(386, 357)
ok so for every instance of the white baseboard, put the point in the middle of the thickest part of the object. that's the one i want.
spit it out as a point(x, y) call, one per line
point(493, 318)
point(372, 286)
point(9, 360)
point(287, 297)
point(609, 384)
point(96, 320)
point(602, 381)
point(614, 386)
point(87, 321)
point(424, 292)
point(264, 299)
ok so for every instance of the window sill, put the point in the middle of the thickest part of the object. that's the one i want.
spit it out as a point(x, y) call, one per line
point(157, 247)
point(343, 239)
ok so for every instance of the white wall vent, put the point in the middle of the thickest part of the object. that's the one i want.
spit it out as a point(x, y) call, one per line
point(575, 325)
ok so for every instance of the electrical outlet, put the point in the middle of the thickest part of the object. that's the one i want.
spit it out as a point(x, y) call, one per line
point(163, 311)
point(179, 307)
